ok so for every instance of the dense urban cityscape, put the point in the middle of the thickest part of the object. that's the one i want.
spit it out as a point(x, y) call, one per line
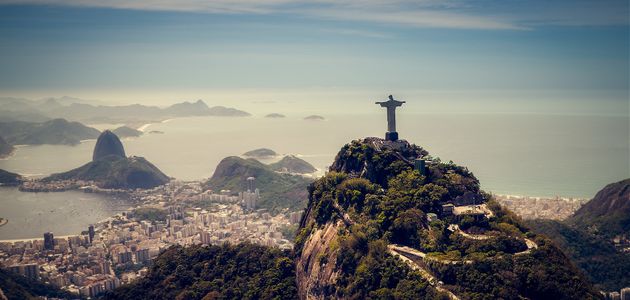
point(119, 249)
point(552, 208)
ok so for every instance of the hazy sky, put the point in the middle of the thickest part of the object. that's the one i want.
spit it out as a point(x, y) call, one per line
point(156, 46)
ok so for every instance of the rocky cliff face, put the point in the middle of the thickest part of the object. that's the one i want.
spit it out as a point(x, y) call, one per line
point(608, 212)
point(108, 144)
point(376, 227)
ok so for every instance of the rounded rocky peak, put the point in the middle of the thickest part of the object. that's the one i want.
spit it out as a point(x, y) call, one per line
point(108, 144)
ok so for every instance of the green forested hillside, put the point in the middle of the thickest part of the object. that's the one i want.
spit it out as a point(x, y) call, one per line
point(277, 190)
point(373, 199)
point(116, 172)
point(587, 236)
point(243, 271)
point(15, 286)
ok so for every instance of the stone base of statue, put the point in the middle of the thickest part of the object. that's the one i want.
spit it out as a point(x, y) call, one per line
point(391, 136)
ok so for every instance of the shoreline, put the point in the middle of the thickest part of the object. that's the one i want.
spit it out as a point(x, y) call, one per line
point(144, 127)
point(37, 238)
point(556, 197)
point(87, 188)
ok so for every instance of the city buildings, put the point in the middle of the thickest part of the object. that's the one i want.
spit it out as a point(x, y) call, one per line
point(49, 242)
point(554, 208)
point(119, 250)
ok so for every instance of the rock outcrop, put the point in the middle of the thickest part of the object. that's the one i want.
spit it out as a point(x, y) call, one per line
point(108, 144)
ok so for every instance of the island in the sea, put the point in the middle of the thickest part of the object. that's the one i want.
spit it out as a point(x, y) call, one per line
point(261, 153)
point(275, 116)
point(293, 164)
point(18, 109)
point(126, 131)
point(314, 118)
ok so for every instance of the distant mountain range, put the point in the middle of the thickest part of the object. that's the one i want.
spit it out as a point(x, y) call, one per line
point(19, 109)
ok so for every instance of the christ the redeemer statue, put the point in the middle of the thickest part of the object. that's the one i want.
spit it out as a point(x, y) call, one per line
point(391, 104)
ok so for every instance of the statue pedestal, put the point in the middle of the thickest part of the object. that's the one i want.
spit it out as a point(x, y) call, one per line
point(391, 136)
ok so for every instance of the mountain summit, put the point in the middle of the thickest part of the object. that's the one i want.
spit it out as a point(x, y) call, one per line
point(388, 221)
point(108, 144)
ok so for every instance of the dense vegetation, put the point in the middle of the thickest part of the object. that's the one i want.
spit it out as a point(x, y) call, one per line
point(243, 271)
point(594, 254)
point(57, 131)
point(149, 213)
point(587, 236)
point(15, 286)
point(386, 201)
point(277, 190)
point(608, 213)
point(116, 172)
point(545, 274)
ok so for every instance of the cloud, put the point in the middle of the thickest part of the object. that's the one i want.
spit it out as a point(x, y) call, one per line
point(459, 14)
point(418, 18)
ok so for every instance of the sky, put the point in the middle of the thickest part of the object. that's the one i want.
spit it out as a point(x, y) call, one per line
point(141, 49)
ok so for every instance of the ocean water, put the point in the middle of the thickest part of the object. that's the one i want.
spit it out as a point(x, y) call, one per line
point(65, 213)
point(526, 154)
